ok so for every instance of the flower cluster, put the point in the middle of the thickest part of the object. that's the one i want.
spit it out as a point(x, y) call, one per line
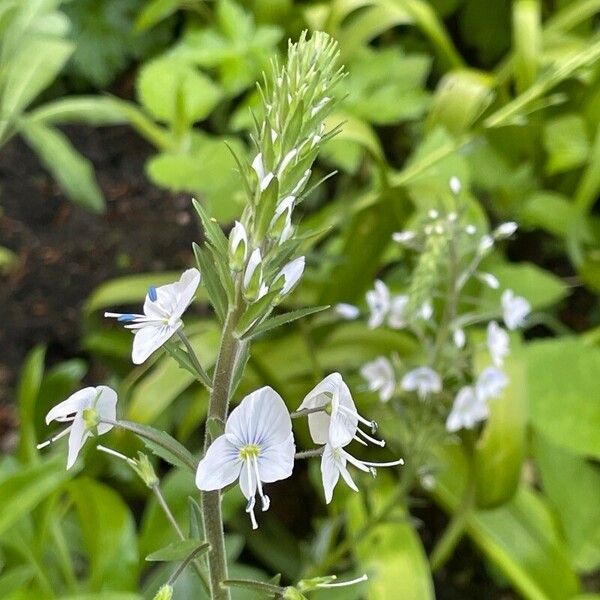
point(450, 253)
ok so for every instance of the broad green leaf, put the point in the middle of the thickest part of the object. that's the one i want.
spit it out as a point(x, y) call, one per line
point(564, 388)
point(16, 578)
point(72, 171)
point(501, 447)
point(163, 81)
point(30, 70)
point(519, 538)
point(29, 389)
point(571, 484)
point(109, 536)
point(392, 552)
point(155, 11)
point(527, 38)
point(540, 287)
point(23, 490)
point(91, 110)
point(566, 143)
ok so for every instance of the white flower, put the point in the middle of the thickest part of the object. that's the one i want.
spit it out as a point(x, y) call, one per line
point(397, 312)
point(337, 423)
point(468, 410)
point(423, 380)
point(506, 229)
point(459, 338)
point(432, 213)
point(285, 161)
point(163, 308)
point(257, 447)
point(470, 229)
point(497, 343)
point(334, 463)
point(455, 184)
point(253, 277)
point(380, 377)
point(490, 383)
point(489, 280)
point(514, 309)
point(281, 223)
point(402, 237)
point(85, 410)
point(378, 300)
point(347, 311)
point(485, 243)
point(263, 178)
point(238, 246)
point(426, 311)
point(291, 274)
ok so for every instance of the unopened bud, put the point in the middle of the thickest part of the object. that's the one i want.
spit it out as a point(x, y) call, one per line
point(143, 467)
point(238, 246)
point(165, 593)
point(253, 276)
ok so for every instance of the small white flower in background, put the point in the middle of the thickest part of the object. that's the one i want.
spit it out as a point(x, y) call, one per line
point(505, 230)
point(514, 309)
point(423, 381)
point(380, 377)
point(490, 383)
point(347, 311)
point(334, 463)
point(498, 343)
point(163, 309)
point(455, 184)
point(257, 447)
point(489, 280)
point(403, 237)
point(432, 213)
point(337, 423)
point(459, 338)
point(238, 246)
point(378, 300)
point(263, 178)
point(85, 410)
point(470, 229)
point(291, 274)
point(468, 410)
point(426, 311)
point(397, 313)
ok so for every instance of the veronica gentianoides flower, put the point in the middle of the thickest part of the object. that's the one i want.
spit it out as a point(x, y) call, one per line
point(257, 447)
point(84, 410)
point(514, 309)
point(238, 246)
point(163, 309)
point(497, 343)
point(346, 311)
point(291, 274)
point(380, 377)
point(468, 410)
point(423, 381)
point(378, 300)
point(490, 383)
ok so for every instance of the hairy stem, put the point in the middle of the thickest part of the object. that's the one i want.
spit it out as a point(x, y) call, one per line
point(217, 413)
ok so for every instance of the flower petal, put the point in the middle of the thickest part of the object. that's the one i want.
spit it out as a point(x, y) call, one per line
point(106, 405)
point(75, 403)
point(276, 462)
point(330, 474)
point(220, 466)
point(148, 339)
point(77, 438)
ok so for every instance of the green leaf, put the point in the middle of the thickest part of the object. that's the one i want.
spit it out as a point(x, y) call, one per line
point(33, 67)
point(213, 232)
point(391, 552)
point(22, 491)
point(564, 389)
point(519, 538)
point(566, 143)
point(212, 283)
point(284, 319)
point(108, 530)
point(155, 11)
point(27, 394)
point(91, 110)
point(161, 81)
point(527, 35)
point(162, 444)
point(255, 311)
point(72, 171)
point(571, 484)
point(177, 551)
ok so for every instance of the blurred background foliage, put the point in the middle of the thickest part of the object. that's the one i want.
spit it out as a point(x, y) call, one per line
point(505, 96)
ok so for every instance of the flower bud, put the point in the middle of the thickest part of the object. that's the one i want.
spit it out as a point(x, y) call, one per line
point(291, 593)
point(253, 276)
point(289, 276)
point(281, 223)
point(505, 230)
point(143, 467)
point(238, 246)
point(165, 593)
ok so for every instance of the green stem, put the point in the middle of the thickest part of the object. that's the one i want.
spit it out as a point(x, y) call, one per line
point(217, 414)
point(445, 546)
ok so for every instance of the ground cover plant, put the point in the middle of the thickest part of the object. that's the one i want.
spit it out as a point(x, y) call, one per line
point(370, 371)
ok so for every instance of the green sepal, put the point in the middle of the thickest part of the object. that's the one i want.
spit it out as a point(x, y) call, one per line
point(259, 309)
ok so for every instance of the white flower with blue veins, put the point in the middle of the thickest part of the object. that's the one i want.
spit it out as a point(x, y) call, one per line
point(163, 309)
point(498, 343)
point(468, 410)
point(85, 410)
point(380, 377)
point(257, 447)
point(514, 309)
point(490, 383)
point(379, 302)
point(423, 381)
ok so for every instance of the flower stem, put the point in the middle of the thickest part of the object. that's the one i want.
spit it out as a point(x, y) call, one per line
point(217, 414)
point(204, 378)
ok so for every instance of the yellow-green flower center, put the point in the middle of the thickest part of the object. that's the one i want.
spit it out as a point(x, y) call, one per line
point(91, 418)
point(249, 451)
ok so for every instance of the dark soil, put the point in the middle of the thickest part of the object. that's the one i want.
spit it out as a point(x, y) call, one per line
point(65, 252)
